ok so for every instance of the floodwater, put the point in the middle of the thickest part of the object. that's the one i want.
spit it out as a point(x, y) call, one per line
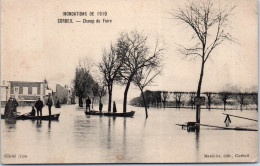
point(77, 138)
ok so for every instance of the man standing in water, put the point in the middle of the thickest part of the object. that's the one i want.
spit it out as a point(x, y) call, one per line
point(38, 105)
point(49, 104)
point(88, 102)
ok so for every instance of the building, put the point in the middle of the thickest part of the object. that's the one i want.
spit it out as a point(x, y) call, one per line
point(63, 94)
point(25, 92)
point(4, 92)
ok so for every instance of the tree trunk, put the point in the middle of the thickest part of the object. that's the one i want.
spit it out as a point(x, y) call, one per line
point(93, 102)
point(80, 101)
point(198, 91)
point(146, 112)
point(224, 106)
point(109, 98)
point(125, 94)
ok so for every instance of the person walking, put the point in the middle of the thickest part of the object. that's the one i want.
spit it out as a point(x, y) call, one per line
point(49, 104)
point(88, 102)
point(100, 106)
point(38, 105)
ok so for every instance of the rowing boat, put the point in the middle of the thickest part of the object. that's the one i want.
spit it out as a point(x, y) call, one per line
point(114, 114)
point(94, 113)
point(26, 117)
point(126, 114)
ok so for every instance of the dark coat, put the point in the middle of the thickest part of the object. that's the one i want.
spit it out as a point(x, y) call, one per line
point(15, 103)
point(9, 108)
point(88, 102)
point(49, 102)
point(100, 106)
point(33, 112)
point(38, 105)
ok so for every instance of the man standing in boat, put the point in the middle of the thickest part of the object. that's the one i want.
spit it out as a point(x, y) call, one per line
point(9, 106)
point(88, 102)
point(100, 106)
point(49, 104)
point(114, 107)
point(15, 103)
point(38, 105)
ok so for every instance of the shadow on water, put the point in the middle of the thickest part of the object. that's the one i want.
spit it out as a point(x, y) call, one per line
point(109, 133)
point(49, 126)
point(197, 145)
point(124, 138)
point(38, 125)
point(10, 124)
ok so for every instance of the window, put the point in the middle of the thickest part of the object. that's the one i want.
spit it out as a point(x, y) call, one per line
point(16, 90)
point(34, 90)
point(25, 90)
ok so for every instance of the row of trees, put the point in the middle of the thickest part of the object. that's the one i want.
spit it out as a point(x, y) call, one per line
point(130, 60)
point(177, 99)
point(85, 85)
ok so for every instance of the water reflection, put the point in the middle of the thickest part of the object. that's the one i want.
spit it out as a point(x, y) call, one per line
point(10, 124)
point(109, 133)
point(95, 139)
point(49, 126)
point(124, 138)
point(197, 145)
point(38, 125)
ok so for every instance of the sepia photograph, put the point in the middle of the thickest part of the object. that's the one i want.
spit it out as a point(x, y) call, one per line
point(129, 81)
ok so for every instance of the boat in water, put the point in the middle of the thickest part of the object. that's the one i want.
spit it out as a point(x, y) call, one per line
point(114, 114)
point(29, 117)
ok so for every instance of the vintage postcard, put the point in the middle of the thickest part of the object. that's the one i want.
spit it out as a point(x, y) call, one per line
point(129, 81)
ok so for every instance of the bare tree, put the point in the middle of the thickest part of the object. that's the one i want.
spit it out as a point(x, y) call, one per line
point(94, 91)
point(110, 66)
point(102, 91)
point(191, 99)
point(210, 96)
point(254, 97)
point(165, 96)
point(241, 98)
point(224, 96)
point(209, 25)
point(137, 56)
point(82, 84)
point(144, 78)
point(177, 97)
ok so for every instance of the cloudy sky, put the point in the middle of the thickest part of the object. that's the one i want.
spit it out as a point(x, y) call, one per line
point(35, 46)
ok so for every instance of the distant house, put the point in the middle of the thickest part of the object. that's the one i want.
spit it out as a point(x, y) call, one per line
point(63, 94)
point(26, 92)
point(4, 92)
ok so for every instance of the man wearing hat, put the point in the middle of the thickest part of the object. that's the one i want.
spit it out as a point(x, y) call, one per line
point(38, 105)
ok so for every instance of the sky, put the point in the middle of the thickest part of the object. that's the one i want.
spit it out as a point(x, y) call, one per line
point(35, 46)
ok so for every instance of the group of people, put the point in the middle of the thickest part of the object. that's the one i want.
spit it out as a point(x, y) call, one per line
point(11, 108)
point(39, 105)
point(12, 104)
point(88, 103)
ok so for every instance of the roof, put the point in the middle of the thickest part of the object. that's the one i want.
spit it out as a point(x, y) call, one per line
point(26, 81)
